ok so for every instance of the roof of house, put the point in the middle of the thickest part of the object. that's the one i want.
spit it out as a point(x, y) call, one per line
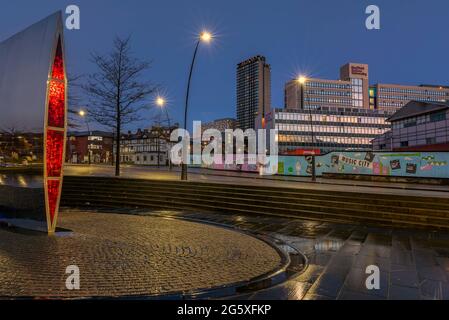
point(416, 108)
point(153, 132)
point(90, 133)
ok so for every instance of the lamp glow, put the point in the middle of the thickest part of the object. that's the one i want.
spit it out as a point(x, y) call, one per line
point(302, 79)
point(160, 101)
point(206, 36)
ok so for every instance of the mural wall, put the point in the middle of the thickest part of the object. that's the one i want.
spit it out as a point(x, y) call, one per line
point(393, 164)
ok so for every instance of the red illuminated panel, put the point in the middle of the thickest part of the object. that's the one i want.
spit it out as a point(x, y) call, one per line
point(53, 195)
point(56, 104)
point(55, 148)
point(55, 132)
point(58, 65)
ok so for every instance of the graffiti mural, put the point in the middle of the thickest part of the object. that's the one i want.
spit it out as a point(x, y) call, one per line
point(394, 164)
point(406, 164)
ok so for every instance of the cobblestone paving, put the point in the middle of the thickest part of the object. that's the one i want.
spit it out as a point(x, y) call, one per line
point(122, 255)
point(414, 264)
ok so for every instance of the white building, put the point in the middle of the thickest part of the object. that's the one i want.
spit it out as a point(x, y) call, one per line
point(327, 129)
point(146, 147)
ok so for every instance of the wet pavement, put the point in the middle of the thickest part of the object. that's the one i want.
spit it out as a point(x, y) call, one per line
point(123, 245)
point(120, 255)
point(21, 180)
point(413, 264)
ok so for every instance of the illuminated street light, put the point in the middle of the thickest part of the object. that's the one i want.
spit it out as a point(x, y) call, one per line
point(205, 37)
point(160, 101)
point(83, 114)
point(302, 81)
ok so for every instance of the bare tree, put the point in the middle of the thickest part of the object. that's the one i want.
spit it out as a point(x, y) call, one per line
point(116, 92)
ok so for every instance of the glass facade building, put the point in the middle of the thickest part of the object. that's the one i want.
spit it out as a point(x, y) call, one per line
point(328, 129)
point(391, 97)
point(350, 91)
point(347, 114)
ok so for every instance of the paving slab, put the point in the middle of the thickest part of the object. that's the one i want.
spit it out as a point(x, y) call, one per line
point(127, 255)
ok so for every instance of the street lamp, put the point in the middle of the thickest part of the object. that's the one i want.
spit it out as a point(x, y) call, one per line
point(161, 103)
point(302, 80)
point(205, 37)
point(83, 114)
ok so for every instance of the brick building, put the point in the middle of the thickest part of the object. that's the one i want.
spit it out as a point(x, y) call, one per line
point(96, 145)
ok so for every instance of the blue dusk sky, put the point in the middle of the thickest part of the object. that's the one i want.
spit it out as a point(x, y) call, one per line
point(296, 36)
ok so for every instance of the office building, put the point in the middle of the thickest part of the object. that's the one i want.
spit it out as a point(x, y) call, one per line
point(392, 97)
point(418, 126)
point(328, 129)
point(350, 91)
point(358, 111)
point(253, 91)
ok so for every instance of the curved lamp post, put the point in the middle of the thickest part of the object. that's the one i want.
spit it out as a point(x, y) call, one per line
point(205, 37)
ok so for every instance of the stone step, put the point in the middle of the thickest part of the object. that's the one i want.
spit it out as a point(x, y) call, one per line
point(258, 188)
point(263, 208)
point(339, 206)
point(281, 200)
point(237, 208)
point(385, 200)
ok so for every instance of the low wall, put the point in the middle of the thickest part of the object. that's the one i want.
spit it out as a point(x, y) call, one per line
point(386, 164)
point(413, 180)
point(22, 203)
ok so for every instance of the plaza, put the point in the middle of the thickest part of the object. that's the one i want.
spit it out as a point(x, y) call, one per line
point(122, 255)
point(413, 261)
point(96, 202)
point(139, 252)
point(170, 254)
